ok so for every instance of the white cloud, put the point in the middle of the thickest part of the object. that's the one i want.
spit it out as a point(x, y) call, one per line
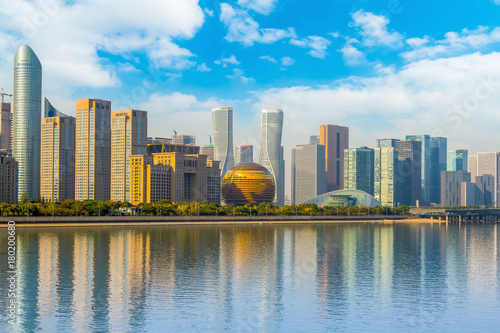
point(351, 54)
point(264, 7)
point(317, 44)
point(244, 29)
point(496, 2)
point(453, 43)
point(238, 75)
point(268, 58)
point(126, 67)
point(208, 12)
point(374, 31)
point(225, 61)
point(286, 62)
point(203, 68)
point(417, 42)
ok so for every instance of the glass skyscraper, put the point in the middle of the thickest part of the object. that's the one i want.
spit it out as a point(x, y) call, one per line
point(358, 169)
point(270, 148)
point(27, 120)
point(425, 164)
point(457, 160)
point(222, 127)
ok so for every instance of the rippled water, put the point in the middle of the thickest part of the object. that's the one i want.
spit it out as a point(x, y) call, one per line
point(307, 278)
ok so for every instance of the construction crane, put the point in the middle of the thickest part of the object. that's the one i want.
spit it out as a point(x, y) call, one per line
point(4, 94)
point(210, 137)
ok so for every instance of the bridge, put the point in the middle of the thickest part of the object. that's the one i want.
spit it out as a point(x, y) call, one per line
point(465, 215)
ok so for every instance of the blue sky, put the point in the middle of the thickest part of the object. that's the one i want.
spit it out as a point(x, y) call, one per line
point(383, 68)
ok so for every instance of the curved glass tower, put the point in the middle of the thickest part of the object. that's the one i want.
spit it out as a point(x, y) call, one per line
point(270, 148)
point(27, 109)
point(222, 127)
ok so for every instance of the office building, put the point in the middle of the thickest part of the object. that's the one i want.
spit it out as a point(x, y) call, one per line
point(489, 164)
point(471, 195)
point(27, 109)
point(438, 161)
point(174, 172)
point(180, 139)
point(425, 165)
point(208, 150)
point(408, 177)
point(93, 150)
point(8, 179)
point(359, 169)
point(314, 140)
point(244, 154)
point(58, 158)
point(128, 137)
point(451, 187)
point(486, 184)
point(335, 139)
point(5, 127)
point(457, 160)
point(472, 166)
point(308, 172)
point(222, 127)
point(387, 142)
point(385, 173)
point(157, 140)
point(271, 158)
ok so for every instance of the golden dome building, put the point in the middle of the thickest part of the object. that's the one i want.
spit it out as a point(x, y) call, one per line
point(248, 183)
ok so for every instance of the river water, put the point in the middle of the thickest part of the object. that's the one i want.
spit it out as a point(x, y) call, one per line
point(261, 278)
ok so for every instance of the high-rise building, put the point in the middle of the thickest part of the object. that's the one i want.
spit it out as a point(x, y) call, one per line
point(335, 139)
point(208, 150)
point(385, 172)
point(314, 140)
point(486, 184)
point(387, 142)
point(93, 150)
point(359, 169)
point(181, 139)
point(457, 160)
point(451, 187)
point(27, 109)
point(244, 154)
point(271, 128)
point(425, 164)
point(8, 179)
point(408, 177)
point(438, 161)
point(308, 172)
point(128, 137)
point(58, 158)
point(5, 126)
point(222, 127)
point(472, 166)
point(489, 164)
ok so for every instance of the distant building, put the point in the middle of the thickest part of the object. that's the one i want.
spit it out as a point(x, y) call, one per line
point(180, 139)
point(222, 127)
point(359, 169)
point(314, 140)
point(128, 137)
point(425, 164)
point(387, 142)
point(472, 195)
point(208, 150)
point(244, 154)
point(472, 165)
point(58, 158)
point(158, 140)
point(8, 179)
point(408, 178)
point(5, 127)
point(486, 184)
point(335, 139)
point(271, 128)
point(386, 166)
point(93, 150)
point(438, 161)
point(451, 187)
point(487, 164)
point(457, 160)
point(308, 172)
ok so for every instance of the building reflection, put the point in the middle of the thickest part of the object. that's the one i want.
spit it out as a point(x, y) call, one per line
point(48, 279)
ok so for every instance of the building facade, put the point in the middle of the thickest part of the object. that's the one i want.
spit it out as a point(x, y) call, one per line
point(489, 164)
point(181, 139)
point(8, 178)
point(438, 163)
point(128, 137)
point(457, 160)
point(335, 139)
point(359, 169)
point(5, 127)
point(58, 158)
point(425, 165)
point(271, 128)
point(308, 172)
point(222, 128)
point(27, 109)
point(451, 187)
point(208, 150)
point(387, 142)
point(93, 150)
point(385, 173)
point(244, 154)
point(408, 177)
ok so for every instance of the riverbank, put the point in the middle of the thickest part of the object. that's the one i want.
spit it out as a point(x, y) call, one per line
point(105, 221)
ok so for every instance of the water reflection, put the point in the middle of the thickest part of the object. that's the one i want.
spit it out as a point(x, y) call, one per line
point(257, 278)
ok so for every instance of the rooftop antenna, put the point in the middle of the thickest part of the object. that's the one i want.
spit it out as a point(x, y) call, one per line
point(4, 94)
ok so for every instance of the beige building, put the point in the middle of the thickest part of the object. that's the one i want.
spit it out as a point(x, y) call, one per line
point(8, 180)
point(175, 174)
point(57, 174)
point(5, 127)
point(93, 150)
point(128, 137)
point(335, 139)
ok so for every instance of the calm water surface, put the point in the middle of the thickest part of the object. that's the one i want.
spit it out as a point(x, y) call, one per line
point(310, 278)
